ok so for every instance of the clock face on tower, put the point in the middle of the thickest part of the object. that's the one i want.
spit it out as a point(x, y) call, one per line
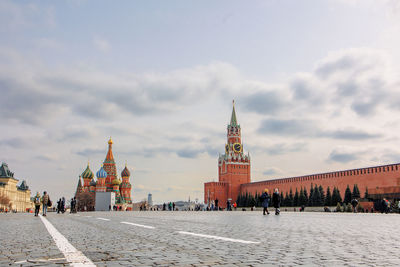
point(237, 147)
point(226, 149)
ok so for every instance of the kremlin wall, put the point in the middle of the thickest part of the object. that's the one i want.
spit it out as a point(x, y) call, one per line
point(234, 176)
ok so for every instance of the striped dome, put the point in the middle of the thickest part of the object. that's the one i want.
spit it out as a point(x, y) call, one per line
point(125, 172)
point(101, 173)
point(87, 174)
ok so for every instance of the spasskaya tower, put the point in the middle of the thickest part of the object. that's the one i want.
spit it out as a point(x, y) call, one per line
point(233, 168)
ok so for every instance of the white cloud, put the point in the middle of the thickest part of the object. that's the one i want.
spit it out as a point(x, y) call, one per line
point(101, 44)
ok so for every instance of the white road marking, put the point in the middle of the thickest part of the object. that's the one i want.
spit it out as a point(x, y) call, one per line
point(139, 225)
point(219, 238)
point(104, 219)
point(72, 255)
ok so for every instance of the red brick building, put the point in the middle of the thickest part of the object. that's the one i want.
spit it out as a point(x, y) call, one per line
point(234, 176)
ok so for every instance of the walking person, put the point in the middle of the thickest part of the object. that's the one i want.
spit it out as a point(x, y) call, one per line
point(354, 203)
point(276, 201)
point(216, 204)
point(58, 206)
point(45, 202)
point(265, 198)
point(173, 206)
point(36, 201)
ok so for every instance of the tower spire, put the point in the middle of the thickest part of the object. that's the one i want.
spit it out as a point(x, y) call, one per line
point(233, 117)
point(110, 156)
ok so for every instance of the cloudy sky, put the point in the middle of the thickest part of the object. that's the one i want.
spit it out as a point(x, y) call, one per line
point(316, 85)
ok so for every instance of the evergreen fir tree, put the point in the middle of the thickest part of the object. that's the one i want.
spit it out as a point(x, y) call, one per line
point(328, 197)
point(282, 198)
point(311, 197)
point(302, 197)
point(335, 198)
point(296, 198)
point(316, 197)
point(257, 197)
point(291, 198)
point(305, 197)
point(339, 195)
point(366, 195)
point(347, 195)
point(286, 200)
point(322, 195)
point(356, 192)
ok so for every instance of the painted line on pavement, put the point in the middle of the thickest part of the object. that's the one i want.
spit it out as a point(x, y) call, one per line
point(139, 225)
point(104, 219)
point(219, 238)
point(72, 255)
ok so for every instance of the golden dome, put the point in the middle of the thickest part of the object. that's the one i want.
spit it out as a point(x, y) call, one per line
point(116, 181)
point(110, 142)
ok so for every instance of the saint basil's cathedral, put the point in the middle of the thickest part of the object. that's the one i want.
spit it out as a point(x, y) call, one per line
point(107, 181)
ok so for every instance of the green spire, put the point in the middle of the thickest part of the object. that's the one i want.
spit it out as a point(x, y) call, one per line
point(233, 117)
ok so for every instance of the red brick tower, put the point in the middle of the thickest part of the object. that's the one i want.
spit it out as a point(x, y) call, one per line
point(126, 186)
point(234, 165)
point(233, 168)
point(109, 167)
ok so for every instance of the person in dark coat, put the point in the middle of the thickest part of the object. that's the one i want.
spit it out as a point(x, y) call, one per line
point(265, 198)
point(276, 201)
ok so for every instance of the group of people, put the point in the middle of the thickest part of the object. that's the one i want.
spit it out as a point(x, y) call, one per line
point(276, 201)
point(171, 206)
point(61, 205)
point(44, 201)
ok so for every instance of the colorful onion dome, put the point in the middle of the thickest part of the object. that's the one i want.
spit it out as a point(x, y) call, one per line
point(101, 173)
point(116, 181)
point(110, 142)
point(87, 174)
point(125, 172)
point(92, 182)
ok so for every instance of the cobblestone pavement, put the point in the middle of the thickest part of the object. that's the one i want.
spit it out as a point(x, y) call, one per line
point(197, 239)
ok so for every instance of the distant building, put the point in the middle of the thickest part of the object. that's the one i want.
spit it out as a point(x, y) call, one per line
point(150, 199)
point(107, 181)
point(13, 196)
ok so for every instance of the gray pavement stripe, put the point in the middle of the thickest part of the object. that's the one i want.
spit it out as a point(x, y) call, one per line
point(72, 255)
point(219, 238)
point(104, 219)
point(139, 225)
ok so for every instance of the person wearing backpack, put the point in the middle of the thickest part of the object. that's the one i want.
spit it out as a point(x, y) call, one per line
point(37, 201)
point(46, 202)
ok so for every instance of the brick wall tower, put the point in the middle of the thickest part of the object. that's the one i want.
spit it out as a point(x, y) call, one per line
point(79, 188)
point(109, 167)
point(233, 168)
point(234, 165)
point(126, 186)
point(101, 180)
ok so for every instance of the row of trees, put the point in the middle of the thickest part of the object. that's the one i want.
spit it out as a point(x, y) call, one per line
point(316, 197)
